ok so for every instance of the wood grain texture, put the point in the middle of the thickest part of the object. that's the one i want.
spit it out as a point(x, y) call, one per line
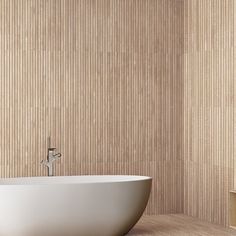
point(232, 209)
point(177, 225)
point(209, 108)
point(103, 78)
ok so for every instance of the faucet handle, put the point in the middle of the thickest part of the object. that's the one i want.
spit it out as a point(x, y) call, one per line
point(57, 156)
point(51, 149)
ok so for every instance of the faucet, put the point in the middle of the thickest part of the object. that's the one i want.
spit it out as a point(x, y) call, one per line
point(51, 157)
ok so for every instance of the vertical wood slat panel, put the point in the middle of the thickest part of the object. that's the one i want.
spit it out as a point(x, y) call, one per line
point(209, 106)
point(104, 79)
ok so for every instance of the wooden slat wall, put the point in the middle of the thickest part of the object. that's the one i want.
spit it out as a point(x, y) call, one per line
point(104, 78)
point(209, 107)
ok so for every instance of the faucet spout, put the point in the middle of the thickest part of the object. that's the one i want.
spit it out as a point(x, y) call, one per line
point(46, 163)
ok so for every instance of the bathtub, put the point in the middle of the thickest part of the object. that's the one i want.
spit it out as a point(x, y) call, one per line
point(72, 205)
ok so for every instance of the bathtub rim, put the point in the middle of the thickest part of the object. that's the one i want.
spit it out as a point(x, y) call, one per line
point(72, 179)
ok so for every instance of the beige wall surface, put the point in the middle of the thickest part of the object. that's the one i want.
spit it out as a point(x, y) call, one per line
point(103, 78)
point(123, 87)
point(209, 107)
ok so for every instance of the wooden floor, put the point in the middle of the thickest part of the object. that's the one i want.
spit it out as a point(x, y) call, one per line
point(177, 225)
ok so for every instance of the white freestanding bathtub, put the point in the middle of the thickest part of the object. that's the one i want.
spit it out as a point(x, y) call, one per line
point(72, 205)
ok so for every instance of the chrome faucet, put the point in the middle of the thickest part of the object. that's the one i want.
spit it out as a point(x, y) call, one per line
point(51, 157)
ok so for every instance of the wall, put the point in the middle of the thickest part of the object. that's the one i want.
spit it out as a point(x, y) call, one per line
point(105, 80)
point(209, 107)
point(123, 87)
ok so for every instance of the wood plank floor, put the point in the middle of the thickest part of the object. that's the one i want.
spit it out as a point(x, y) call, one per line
point(177, 225)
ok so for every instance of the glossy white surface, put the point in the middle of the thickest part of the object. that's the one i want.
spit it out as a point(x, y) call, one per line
point(72, 205)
